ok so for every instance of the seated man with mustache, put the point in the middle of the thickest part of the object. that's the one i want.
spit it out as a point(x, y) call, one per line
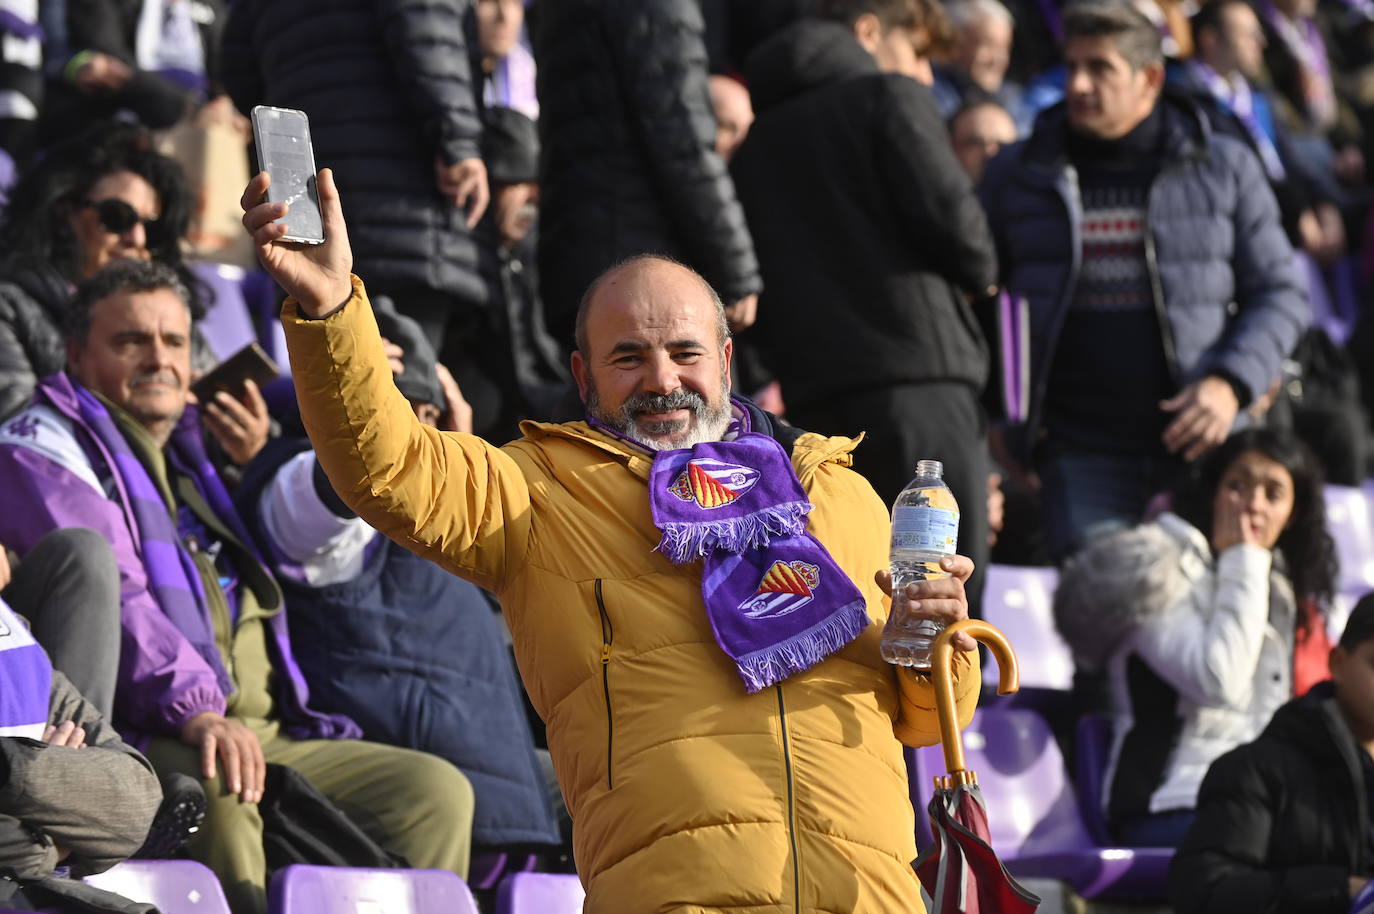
point(690, 586)
point(208, 685)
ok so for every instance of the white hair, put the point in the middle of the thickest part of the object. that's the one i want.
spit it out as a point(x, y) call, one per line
point(964, 13)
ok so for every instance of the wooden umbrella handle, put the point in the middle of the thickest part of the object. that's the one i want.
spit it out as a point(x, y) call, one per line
point(942, 670)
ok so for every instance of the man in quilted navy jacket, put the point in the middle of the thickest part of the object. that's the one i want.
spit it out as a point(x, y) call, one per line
point(1161, 291)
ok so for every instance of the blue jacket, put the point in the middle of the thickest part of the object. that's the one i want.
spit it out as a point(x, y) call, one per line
point(418, 658)
point(1229, 299)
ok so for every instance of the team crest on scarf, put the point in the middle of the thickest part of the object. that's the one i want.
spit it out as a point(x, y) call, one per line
point(785, 588)
point(713, 483)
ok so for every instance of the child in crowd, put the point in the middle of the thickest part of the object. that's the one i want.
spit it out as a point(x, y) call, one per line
point(1285, 823)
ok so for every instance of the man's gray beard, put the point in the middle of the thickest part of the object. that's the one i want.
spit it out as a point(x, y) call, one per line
point(708, 423)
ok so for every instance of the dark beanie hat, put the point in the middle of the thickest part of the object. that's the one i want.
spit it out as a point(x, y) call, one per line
point(419, 383)
point(510, 146)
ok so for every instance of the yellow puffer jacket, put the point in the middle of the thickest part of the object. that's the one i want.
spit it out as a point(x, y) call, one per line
point(688, 793)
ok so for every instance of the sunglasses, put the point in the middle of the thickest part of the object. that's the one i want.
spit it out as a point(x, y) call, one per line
point(118, 217)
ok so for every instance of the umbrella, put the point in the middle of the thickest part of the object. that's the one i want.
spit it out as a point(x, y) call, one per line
point(961, 872)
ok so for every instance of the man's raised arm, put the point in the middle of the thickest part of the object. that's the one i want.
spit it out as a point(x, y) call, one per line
point(452, 498)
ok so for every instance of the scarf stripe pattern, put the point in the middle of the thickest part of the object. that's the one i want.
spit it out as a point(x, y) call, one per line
point(173, 578)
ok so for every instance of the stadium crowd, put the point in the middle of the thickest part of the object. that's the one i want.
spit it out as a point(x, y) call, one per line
point(1110, 261)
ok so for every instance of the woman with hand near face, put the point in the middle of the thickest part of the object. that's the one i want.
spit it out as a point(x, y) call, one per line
point(1194, 620)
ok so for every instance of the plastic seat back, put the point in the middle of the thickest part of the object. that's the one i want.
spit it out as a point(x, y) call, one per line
point(347, 890)
point(540, 893)
point(175, 886)
point(1092, 753)
point(1020, 601)
point(1349, 521)
point(1032, 808)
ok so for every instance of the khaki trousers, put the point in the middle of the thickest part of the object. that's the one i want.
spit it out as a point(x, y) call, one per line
point(412, 803)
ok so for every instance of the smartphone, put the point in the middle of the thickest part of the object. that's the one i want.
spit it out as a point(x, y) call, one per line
point(281, 137)
point(251, 363)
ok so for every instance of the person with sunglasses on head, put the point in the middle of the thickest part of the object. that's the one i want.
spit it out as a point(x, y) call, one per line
point(100, 197)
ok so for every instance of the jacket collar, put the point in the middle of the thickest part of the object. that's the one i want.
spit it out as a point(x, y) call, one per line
point(809, 451)
point(1187, 136)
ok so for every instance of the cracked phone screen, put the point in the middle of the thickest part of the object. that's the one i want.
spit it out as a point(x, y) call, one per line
point(282, 136)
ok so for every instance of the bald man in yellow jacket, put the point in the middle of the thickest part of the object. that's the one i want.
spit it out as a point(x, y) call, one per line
point(688, 793)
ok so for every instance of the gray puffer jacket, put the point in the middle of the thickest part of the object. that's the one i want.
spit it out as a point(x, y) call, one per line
point(1197, 648)
point(1227, 293)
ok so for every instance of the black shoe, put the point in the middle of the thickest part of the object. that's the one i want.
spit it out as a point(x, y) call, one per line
point(177, 819)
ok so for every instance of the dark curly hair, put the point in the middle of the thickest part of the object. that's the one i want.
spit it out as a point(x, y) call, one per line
point(37, 227)
point(1307, 548)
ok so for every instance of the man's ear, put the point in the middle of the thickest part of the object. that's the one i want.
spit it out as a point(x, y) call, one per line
point(727, 354)
point(579, 370)
point(1154, 76)
point(1336, 662)
point(868, 31)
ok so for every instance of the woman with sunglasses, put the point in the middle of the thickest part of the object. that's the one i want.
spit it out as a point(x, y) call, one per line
point(97, 198)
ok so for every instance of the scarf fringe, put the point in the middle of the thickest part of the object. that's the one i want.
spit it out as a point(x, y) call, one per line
point(688, 541)
point(804, 650)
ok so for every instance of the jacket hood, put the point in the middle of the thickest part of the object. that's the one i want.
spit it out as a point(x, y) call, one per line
point(804, 56)
point(1117, 581)
point(1187, 132)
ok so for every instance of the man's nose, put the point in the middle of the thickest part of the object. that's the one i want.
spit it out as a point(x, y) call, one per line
point(662, 377)
point(159, 355)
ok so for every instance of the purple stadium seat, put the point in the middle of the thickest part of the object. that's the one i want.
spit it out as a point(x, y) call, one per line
point(1348, 517)
point(1020, 601)
point(1036, 826)
point(486, 870)
point(227, 326)
point(175, 886)
point(1092, 752)
point(540, 893)
point(346, 890)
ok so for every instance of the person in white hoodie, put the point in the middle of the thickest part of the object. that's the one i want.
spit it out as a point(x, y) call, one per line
point(1193, 619)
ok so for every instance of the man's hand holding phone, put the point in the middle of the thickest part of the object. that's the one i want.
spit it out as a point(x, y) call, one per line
point(241, 426)
point(317, 275)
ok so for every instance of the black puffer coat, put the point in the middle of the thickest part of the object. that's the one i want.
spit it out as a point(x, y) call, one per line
point(1282, 823)
point(32, 304)
point(387, 85)
point(867, 229)
point(628, 134)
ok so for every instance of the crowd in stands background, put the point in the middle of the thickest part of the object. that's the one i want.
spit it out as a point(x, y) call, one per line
point(1067, 249)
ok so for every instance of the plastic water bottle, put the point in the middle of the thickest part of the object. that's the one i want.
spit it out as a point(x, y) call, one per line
point(925, 529)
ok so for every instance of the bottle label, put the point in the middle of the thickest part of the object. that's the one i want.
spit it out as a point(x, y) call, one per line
point(924, 528)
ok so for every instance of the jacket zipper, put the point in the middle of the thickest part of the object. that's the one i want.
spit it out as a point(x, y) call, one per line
point(1073, 205)
point(791, 804)
point(607, 636)
point(1166, 332)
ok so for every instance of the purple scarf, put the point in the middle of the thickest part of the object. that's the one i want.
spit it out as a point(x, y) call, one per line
point(173, 578)
point(777, 602)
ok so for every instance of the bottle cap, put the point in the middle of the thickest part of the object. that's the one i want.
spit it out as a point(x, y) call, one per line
point(930, 468)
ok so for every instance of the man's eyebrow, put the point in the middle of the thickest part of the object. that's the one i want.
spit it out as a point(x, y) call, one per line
point(625, 346)
point(686, 344)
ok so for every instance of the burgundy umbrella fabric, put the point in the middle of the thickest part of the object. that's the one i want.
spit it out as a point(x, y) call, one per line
point(961, 873)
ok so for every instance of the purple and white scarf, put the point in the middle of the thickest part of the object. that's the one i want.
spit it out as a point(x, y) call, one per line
point(777, 602)
point(1235, 93)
